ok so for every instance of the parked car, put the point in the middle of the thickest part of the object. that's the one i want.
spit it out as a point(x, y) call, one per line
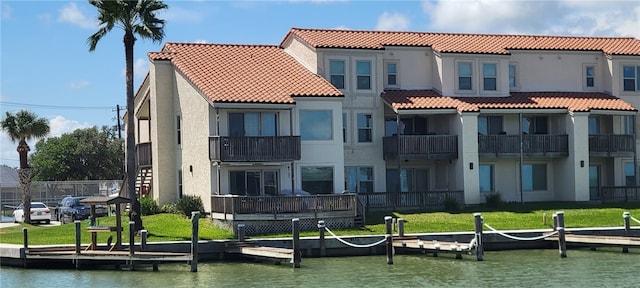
point(39, 213)
point(70, 209)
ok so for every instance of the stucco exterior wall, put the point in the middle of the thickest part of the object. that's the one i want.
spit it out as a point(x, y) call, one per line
point(303, 53)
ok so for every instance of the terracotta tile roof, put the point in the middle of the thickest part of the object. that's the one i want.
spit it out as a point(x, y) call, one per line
point(463, 43)
point(245, 73)
point(572, 101)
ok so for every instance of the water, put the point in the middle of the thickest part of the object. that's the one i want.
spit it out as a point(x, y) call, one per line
point(522, 268)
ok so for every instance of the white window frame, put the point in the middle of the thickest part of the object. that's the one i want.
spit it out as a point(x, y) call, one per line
point(358, 180)
point(345, 127)
point(345, 61)
point(533, 184)
point(333, 176)
point(180, 183)
point(496, 77)
point(457, 79)
point(585, 77)
point(636, 78)
point(516, 78)
point(370, 128)
point(492, 173)
point(331, 137)
point(357, 75)
point(387, 74)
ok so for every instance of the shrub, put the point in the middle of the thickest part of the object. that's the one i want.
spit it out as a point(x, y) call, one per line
point(148, 206)
point(451, 204)
point(189, 203)
point(169, 208)
point(493, 199)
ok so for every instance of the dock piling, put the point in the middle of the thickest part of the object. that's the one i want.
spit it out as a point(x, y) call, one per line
point(295, 223)
point(143, 240)
point(132, 231)
point(25, 238)
point(627, 229)
point(478, 236)
point(388, 223)
point(400, 227)
point(195, 217)
point(323, 245)
point(241, 232)
point(77, 223)
point(562, 243)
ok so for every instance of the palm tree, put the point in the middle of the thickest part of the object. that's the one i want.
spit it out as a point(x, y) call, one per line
point(21, 127)
point(134, 17)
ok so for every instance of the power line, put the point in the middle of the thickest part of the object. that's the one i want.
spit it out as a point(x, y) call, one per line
point(58, 107)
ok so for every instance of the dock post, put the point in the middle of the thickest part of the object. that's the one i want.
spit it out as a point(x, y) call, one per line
point(143, 240)
point(132, 231)
point(195, 217)
point(555, 221)
point(77, 223)
point(388, 223)
point(295, 223)
point(25, 238)
point(241, 232)
point(627, 229)
point(478, 236)
point(323, 245)
point(562, 243)
point(400, 227)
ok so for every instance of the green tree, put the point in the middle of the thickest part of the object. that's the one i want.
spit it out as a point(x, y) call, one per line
point(22, 127)
point(84, 154)
point(136, 17)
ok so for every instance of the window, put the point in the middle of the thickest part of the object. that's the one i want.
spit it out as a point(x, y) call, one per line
point(490, 125)
point(358, 179)
point(336, 70)
point(535, 125)
point(254, 182)
point(417, 125)
point(411, 180)
point(253, 124)
point(513, 76)
point(486, 173)
point(316, 125)
point(344, 127)
point(489, 76)
point(629, 174)
point(317, 180)
point(178, 132)
point(534, 177)
point(392, 74)
point(365, 125)
point(180, 184)
point(363, 74)
point(594, 125)
point(631, 78)
point(464, 75)
point(589, 76)
point(629, 126)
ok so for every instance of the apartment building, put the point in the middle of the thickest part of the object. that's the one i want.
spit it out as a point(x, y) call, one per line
point(533, 118)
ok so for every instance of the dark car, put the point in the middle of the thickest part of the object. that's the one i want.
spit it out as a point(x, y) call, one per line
point(70, 209)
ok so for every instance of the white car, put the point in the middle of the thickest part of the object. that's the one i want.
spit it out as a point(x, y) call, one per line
point(39, 213)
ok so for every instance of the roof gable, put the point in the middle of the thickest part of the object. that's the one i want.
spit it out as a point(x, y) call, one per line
point(245, 73)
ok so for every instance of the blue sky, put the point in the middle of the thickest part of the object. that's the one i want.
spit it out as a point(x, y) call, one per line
point(46, 66)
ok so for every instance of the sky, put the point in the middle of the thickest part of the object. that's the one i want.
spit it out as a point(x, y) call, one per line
point(46, 66)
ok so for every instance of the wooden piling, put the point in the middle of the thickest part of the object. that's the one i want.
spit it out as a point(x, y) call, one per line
point(388, 223)
point(241, 232)
point(195, 217)
point(400, 227)
point(323, 245)
point(478, 237)
point(627, 229)
point(77, 223)
point(562, 243)
point(132, 231)
point(555, 221)
point(295, 223)
point(143, 240)
point(25, 238)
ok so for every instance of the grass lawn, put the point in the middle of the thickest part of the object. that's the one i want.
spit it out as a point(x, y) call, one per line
point(171, 227)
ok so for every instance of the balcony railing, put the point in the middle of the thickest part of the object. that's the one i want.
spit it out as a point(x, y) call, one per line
point(282, 205)
point(611, 145)
point(532, 145)
point(618, 194)
point(421, 201)
point(420, 147)
point(143, 154)
point(254, 149)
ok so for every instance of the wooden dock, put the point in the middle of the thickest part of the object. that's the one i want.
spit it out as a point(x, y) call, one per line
point(599, 240)
point(252, 250)
point(434, 247)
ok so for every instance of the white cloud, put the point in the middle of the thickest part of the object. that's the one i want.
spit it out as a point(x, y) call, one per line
point(201, 41)
point(140, 69)
point(392, 22)
point(563, 17)
point(79, 84)
point(58, 125)
point(72, 15)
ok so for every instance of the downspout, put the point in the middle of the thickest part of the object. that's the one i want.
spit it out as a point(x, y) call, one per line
point(292, 162)
point(399, 186)
point(521, 156)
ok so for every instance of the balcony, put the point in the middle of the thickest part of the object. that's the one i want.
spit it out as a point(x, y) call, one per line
point(254, 149)
point(611, 145)
point(143, 154)
point(532, 145)
point(420, 147)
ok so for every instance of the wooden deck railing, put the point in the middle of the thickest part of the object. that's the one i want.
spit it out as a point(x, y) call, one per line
point(235, 204)
point(611, 145)
point(254, 149)
point(420, 147)
point(532, 145)
point(143, 154)
point(429, 200)
point(619, 194)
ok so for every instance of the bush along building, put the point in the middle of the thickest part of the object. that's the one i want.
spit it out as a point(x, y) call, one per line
point(331, 123)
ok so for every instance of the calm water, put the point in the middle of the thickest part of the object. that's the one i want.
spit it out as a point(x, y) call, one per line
point(525, 268)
